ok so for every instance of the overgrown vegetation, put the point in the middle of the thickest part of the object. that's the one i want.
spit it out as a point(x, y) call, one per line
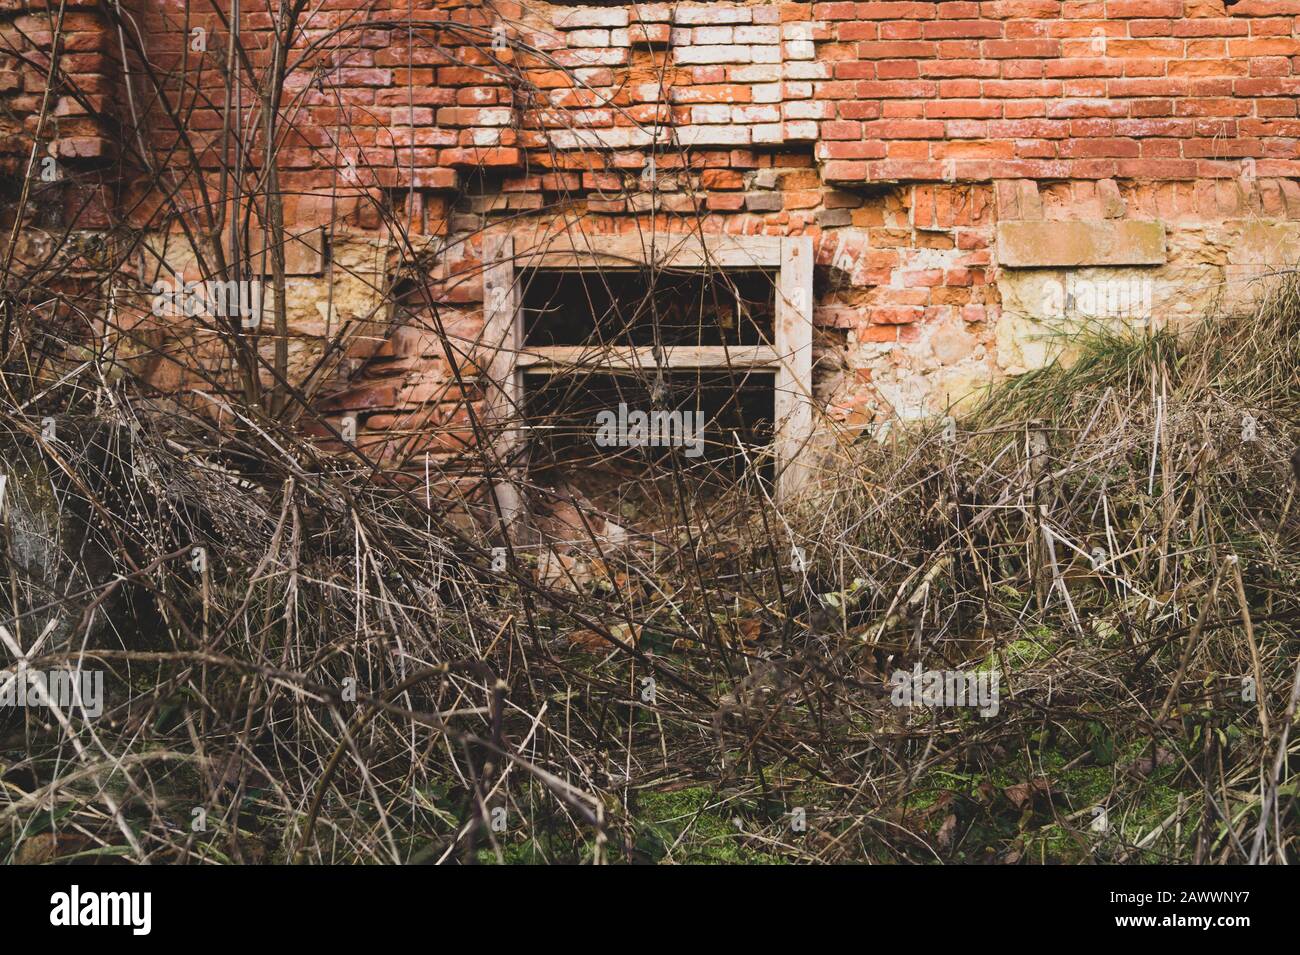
point(327, 650)
point(347, 679)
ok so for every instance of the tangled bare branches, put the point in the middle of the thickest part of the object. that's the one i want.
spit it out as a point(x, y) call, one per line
point(318, 648)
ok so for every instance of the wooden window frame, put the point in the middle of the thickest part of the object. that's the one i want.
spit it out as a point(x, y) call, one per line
point(789, 355)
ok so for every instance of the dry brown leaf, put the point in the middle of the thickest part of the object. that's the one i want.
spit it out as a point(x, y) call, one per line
point(1021, 793)
point(947, 830)
point(589, 641)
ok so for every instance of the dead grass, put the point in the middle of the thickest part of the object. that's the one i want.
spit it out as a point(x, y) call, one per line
point(354, 675)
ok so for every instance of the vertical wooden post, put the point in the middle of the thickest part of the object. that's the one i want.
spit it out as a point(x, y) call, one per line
point(793, 341)
point(502, 340)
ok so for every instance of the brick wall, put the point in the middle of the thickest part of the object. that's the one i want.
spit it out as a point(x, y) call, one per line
point(70, 185)
point(1136, 89)
point(951, 160)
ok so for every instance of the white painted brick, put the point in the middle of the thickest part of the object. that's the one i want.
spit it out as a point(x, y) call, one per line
point(586, 38)
point(647, 92)
point(807, 71)
point(650, 13)
point(796, 49)
point(713, 135)
point(799, 29)
point(711, 113)
point(710, 14)
point(569, 138)
point(620, 137)
point(578, 18)
point(500, 116)
point(712, 54)
point(758, 35)
point(765, 54)
point(681, 36)
point(810, 109)
point(805, 129)
point(589, 76)
point(713, 35)
point(764, 73)
point(486, 137)
point(767, 134)
point(591, 117)
point(797, 91)
point(540, 40)
point(618, 38)
point(766, 92)
point(756, 114)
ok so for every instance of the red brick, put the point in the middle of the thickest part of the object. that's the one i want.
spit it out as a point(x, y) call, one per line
point(1144, 9)
point(895, 315)
point(950, 29)
point(878, 334)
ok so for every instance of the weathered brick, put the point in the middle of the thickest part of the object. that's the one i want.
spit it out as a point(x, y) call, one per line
point(1084, 243)
point(800, 131)
point(712, 54)
point(578, 18)
point(713, 135)
point(588, 38)
point(764, 201)
point(689, 14)
point(1106, 117)
point(757, 34)
point(654, 35)
point(84, 147)
point(713, 36)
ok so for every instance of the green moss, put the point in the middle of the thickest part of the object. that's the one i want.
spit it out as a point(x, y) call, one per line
point(692, 826)
point(1037, 645)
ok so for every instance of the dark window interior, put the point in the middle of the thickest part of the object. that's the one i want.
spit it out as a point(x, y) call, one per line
point(561, 411)
point(625, 307)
